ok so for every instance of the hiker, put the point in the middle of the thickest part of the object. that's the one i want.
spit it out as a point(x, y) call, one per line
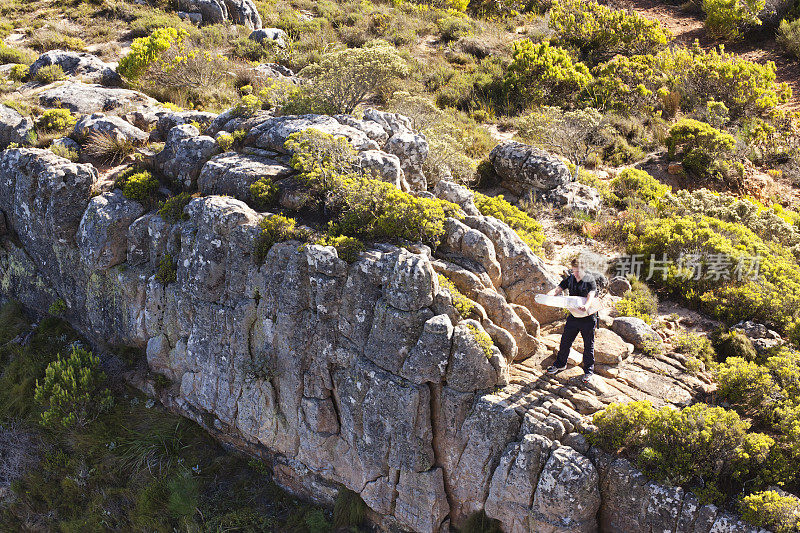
point(578, 283)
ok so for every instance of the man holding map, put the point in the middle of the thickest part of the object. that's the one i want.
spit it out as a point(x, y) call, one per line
point(578, 283)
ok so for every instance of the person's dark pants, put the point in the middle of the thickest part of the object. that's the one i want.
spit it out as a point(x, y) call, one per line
point(586, 326)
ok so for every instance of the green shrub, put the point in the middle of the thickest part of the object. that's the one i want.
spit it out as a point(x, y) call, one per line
point(483, 339)
point(454, 28)
point(347, 248)
point(344, 78)
point(733, 344)
point(695, 346)
point(19, 72)
point(264, 193)
point(49, 74)
point(109, 147)
point(528, 229)
point(321, 158)
point(167, 270)
point(62, 151)
point(769, 509)
point(748, 385)
point(146, 51)
point(601, 32)
point(675, 445)
point(247, 106)
point(13, 55)
point(57, 308)
point(540, 73)
point(274, 229)
point(707, 152)
point(637, 185)
point(638, 302)
point(172, 209)
point(788, 36)
point(726, 18)
point(463, 305)
point(225, 141)
point(141, 187)
point(72, 390)
point(647, 82)
point(56, 120)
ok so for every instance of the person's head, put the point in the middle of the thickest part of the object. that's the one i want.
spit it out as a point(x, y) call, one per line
point(578, 268)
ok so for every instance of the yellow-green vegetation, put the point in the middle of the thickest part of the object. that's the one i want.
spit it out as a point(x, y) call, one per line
point(483, 339)
point(139, 186)
point(769, 509)
point(696, 347)
point(344, 78)
point(639, 302)
point(225, 141)
point(677, 445)
point(347, 248)
point(263, 193)
point(49, 74)
point(726, 19)
point(633, 185)
point(73, 390)
point(541, 73)
point(529, 229)
point(788, 36)
point(602, 32)
point(9, 54)
point(56, 120)
point(108, 147)
point(729, 344)
point(706, 151)
point(167, 269)
point(463, 305)
point(172, 209)
point(274, 229)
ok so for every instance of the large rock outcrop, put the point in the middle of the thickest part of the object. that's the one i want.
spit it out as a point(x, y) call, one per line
point(361, 374)
point(524, 169)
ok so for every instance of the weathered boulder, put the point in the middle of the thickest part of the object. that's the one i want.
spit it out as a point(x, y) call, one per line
point(184, 155)
point(232, 174)
point(763, 338)
point(82, 64)
point(103, 232)
point(577, 196)
point(87, 98)
point(98, 123)
point(244, 12)
point(14, 128)
point(392, 123)
point(382, 166)
point(636, 331)
point(275, 35)
point(166, 120)
point(272, 133)
point(609, 348)
point(427, 360)
point(619, 285)
point(212, 11)
point(458, 194)
point(277, 72)
point(412, 149)
point(474, 366)
point(524, 169)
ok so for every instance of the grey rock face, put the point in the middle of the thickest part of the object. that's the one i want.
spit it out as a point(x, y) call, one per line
point(412, 149)
point(458, 194)
point(619, 286)
point(88, 98)
point(232, 174)
point(244, 12)
point(635, 330)
point(184, 154)
point(524, 169)
point(14, 127)
point(82, 64)
point(382, 166)
point(98, 123)
point(578, 196)
point(212, 11)
point(276, 35)
point(763, 338)
point(166, 121)
point(272, 133)
point(103, 232)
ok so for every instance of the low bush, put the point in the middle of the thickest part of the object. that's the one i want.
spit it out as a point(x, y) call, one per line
point(463, 305)
point(172, 209)
point(454, 28)
point(67, 153)
point(167, 270)
point(14, 55)
point(141, 187)
point(600, 32)
point(541, 73)
point(528, 228)
point(348, 509)
point(732, 344)
point(49, 74)
point(578, 135)
point(274, 229)
point(707, 153)
point(788, 36)
point(19, 72)
point(344, 78)
point(726, 19)
point(677, 445)
point(347, 248)
point(56, 120)
point(634, 185)
point(695, 346)
point(72, 391)
point(108, 147)
point(639, 302)
point(769, 509)
point(483, 339)
point(263, 193)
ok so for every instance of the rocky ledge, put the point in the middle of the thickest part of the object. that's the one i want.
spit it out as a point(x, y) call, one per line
point(358, 374)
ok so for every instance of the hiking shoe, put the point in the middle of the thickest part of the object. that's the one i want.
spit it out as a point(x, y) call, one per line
point(587, 377)
point(553, 369)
